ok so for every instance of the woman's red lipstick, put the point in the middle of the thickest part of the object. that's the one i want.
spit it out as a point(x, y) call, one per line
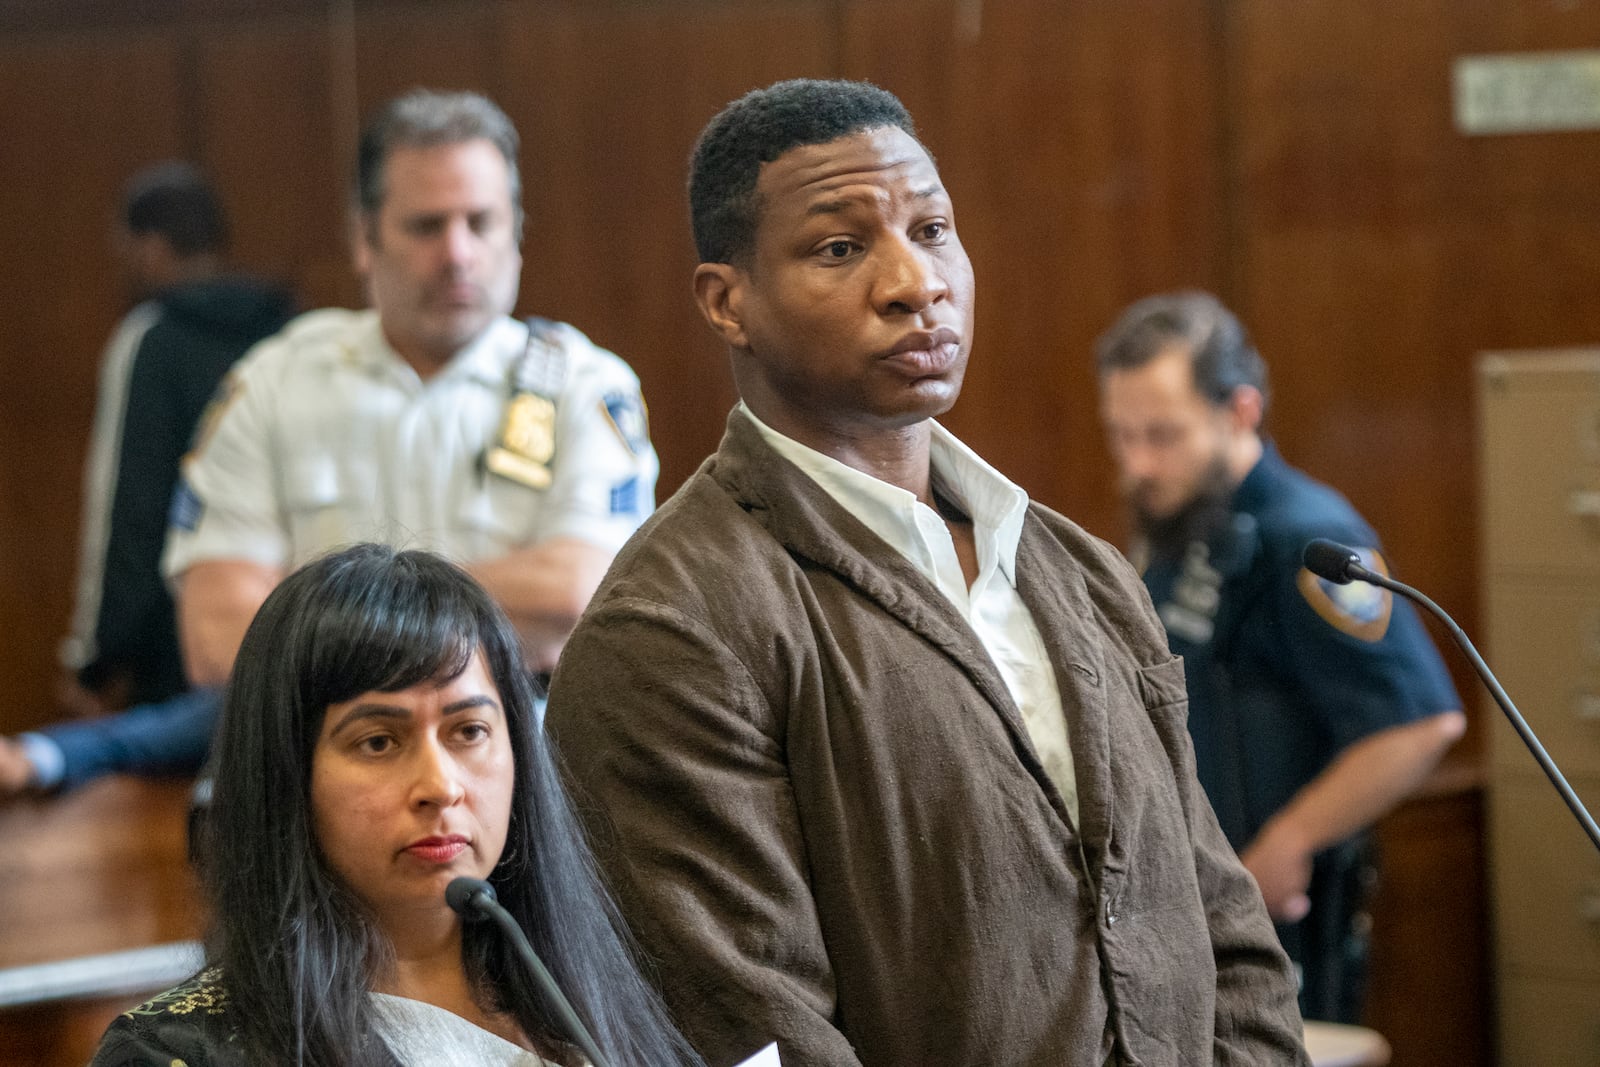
point(438, 849)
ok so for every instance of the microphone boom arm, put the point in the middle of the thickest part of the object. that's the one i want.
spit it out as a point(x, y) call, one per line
point(473, 898)
point(1361, 574)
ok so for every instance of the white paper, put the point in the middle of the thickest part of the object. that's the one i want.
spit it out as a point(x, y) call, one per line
point(767, 1057)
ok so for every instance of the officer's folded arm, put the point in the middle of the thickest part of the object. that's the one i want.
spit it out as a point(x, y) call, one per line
point(217, 598)
point(544, 588)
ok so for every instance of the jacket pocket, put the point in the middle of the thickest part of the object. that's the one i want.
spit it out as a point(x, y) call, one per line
point(1161, 685)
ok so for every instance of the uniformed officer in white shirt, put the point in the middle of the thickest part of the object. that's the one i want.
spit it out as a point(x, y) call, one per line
point(431, 421)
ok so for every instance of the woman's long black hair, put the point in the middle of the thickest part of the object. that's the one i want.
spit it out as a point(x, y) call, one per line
point(298, 951)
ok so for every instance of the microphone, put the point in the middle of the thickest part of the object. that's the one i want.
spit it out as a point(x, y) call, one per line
point(1342, 565)
point(1333, 561)
point(474, 900)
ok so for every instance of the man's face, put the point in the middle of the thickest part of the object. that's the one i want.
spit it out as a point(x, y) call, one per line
point(1170, 443)
point(440, 254)
point(853, 314)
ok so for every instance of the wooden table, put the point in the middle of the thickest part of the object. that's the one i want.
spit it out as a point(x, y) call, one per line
point(100, 870)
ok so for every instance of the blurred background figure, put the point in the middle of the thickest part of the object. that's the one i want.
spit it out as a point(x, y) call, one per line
point(382, 736)
point(193, 320)
point(433, 420)
point(1314, 708)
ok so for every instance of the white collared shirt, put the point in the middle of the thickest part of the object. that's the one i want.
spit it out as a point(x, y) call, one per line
point(991, 605)
point(424, 1035)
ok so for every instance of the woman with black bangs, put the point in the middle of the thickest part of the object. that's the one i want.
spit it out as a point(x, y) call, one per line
point(379, 740)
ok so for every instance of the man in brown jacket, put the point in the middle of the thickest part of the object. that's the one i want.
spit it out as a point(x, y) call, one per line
point(884, 761)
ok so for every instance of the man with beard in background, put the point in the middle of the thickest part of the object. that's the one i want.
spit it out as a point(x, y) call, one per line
point(1314, 708)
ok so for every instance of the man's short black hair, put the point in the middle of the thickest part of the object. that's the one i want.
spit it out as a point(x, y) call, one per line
point(1216, 342)
point(759, 127)
point(175, 200)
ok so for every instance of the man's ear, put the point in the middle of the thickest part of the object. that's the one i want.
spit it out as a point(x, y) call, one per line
point(361, 232)
point(719, 290)
point(1245, 409)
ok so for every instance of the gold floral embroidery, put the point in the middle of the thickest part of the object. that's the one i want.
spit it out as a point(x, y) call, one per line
point(204, 993)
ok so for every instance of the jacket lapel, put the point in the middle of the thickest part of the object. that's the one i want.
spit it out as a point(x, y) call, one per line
point(814, 527)
point(1054, 590)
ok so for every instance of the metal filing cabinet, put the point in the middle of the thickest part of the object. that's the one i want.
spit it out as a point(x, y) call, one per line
point(1540, 467)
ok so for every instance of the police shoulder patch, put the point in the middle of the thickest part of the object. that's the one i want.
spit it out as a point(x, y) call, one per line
point(626, 413)
point(186, 507)
point(228, 390)
point(1357, 609)
point(625, 497)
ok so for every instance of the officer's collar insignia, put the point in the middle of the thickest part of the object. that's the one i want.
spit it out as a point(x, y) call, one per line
point(626, 413)
point(1358, 609)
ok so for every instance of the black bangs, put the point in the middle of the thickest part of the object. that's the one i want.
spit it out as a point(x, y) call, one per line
point(385, 632)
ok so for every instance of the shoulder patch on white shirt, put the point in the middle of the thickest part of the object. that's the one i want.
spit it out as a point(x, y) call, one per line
point(625, 497)
point(186, 508)
point(627, 415)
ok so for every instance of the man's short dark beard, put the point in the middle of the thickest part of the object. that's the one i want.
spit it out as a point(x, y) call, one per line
point(1206, 513)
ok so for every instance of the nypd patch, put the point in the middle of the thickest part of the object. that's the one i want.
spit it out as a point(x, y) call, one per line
point(1358, 609)
point(626, 412)
point(625, 497)
point(186, 509)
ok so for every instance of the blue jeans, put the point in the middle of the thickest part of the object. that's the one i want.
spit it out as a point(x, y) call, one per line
point(172, 737)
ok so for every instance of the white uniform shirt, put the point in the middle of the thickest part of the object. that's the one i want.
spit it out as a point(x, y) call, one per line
point(991, 606)
point(323, 436)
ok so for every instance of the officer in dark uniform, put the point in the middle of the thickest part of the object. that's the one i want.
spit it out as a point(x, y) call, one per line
point(1314, 708)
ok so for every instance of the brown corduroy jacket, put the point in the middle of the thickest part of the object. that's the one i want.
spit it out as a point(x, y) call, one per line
point(824, 820)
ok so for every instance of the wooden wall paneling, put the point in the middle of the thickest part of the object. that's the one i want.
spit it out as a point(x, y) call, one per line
point(141, 15)
point(1377, 250)
point(273, 146)
point(609, 97)
point(450, 45)
point(1080, 142)
point(1340, 272)
point(80, 115)
point(1381, 249)
point(1348, 266)
point(1431, 893)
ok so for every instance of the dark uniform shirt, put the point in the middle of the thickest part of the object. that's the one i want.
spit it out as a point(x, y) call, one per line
point(1286, 670)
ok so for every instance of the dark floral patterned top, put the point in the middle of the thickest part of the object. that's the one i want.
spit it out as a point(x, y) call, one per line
point(190, 1025)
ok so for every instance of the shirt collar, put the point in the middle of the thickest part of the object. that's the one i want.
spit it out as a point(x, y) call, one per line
point(996, 505)
point(1253, 491)
point(478, 361)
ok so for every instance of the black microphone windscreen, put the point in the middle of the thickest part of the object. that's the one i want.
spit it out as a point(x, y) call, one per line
point(462, 894)
point(1330, 560)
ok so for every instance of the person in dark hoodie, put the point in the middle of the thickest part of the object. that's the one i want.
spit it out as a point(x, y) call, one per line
point(193, 319)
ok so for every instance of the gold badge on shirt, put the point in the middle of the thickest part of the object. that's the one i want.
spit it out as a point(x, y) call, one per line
point(527, 441)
